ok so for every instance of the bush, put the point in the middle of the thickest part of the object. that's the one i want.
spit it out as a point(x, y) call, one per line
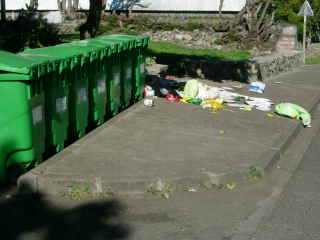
point(30, 29)
point(288, 11)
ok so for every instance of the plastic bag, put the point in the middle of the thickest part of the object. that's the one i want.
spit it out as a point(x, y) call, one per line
point(216, 104)
point(191, 89)
point(257, 87)
point(294, 111)
point(207, 92)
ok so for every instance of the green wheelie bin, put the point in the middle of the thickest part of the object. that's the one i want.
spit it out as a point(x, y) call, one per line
point(75, 66)
point(22, 107)
point(113, 67)
point(125, 59)
point(56, 90)
point(138, 55)
point(97, 52)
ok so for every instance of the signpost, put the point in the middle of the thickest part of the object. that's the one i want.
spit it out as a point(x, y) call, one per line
point(305, 11)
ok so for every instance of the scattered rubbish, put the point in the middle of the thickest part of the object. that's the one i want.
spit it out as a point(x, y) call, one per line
point(148, 91)
point(161, 188)
point(164, 91)
point(149, 95)
point(148, 102)
point(257, 87)
point(192, 189)
point(207, 92)
point(195, 101)
point(237, 105)
point(227, 88)
point(191, 89)
point(214, 98)
point(231, 186)
point(270, 115)
point(246, 108)
point(238, 86)
point(295, 112)
point(277, 82)
point(169, 83)
point(215, 104)
point(169, 77)
point(261, 104)
point(172, 98)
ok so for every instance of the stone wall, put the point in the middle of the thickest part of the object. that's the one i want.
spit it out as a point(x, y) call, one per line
point(257, 69)
point(275, 64)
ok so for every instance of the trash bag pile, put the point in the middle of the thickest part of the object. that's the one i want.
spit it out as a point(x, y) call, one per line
point(216, 98)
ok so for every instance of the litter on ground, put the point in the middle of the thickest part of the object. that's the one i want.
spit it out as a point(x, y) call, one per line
point(295, 112)
point(257, 87)
point(216, 98)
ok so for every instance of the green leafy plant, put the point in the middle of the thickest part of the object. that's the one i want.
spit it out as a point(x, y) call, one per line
point(255, 173)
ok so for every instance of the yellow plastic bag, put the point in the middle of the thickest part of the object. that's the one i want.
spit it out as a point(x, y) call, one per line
point(214, 104)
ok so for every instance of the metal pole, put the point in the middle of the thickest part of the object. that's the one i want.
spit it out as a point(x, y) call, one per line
point(304, 38)
point(3, 10)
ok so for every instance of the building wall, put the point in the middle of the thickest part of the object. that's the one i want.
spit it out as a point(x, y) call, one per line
point(152, 5)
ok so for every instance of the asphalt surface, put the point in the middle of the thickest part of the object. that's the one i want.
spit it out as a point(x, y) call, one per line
point(297, 213)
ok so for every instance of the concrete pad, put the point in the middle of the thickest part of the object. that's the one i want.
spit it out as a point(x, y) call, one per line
point(179, 143)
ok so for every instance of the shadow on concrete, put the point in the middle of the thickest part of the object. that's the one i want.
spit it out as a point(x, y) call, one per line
point(32, 215)
point(211, 68)
point(216, 70)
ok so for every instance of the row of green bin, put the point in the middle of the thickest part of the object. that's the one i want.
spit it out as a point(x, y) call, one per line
point(51, 96)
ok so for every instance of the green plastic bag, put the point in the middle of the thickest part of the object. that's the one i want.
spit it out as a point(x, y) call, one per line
point(191, 89)
point(294, 111)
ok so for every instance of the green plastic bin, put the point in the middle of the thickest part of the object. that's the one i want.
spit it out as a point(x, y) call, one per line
point(74, 66)
point(125, 59)
point(113, 67)
point(138, 55)
point(22, 106)
point(97, 52)
point(56, 89)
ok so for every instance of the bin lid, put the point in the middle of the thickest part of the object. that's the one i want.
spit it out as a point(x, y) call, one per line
point(52, 63)
point(93, 50)
point(139, 40)
point(14, 77)
point(123, 44)
point(15, 64)
point(113, 46)
point(64, 55)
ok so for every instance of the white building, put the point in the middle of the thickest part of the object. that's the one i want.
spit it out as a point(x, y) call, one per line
point(152, 5)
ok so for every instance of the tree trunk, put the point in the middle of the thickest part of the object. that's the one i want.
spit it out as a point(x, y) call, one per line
point(91, 27)
point(254, 23)
point(3, 10)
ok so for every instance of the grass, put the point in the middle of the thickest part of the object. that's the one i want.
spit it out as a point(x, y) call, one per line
point(313, 60)
point(167, 48)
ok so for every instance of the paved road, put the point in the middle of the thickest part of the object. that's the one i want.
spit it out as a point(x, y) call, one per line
point(297, 215)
